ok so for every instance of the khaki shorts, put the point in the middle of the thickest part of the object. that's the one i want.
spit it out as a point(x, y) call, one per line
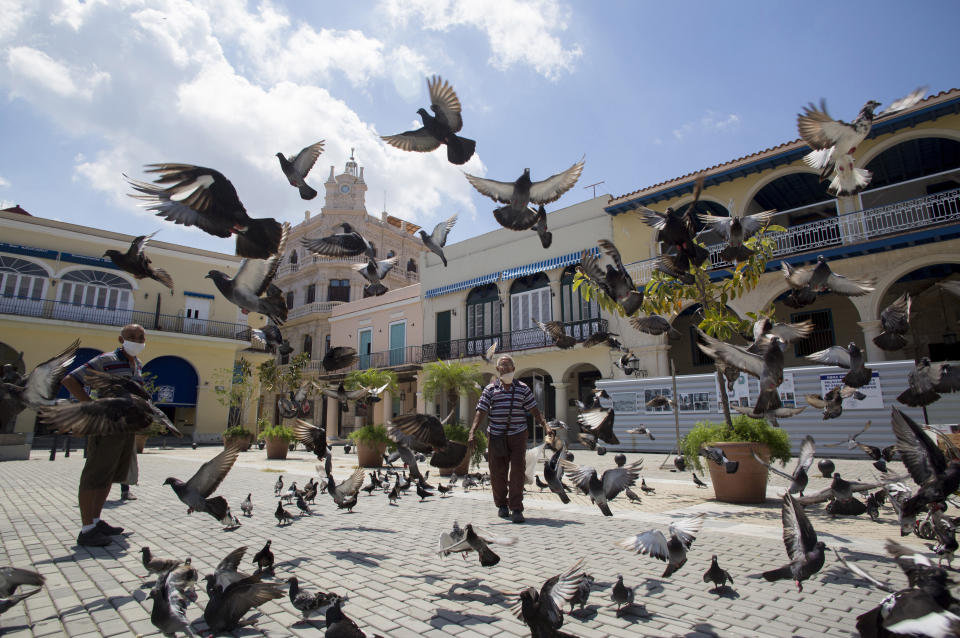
point(108, 461)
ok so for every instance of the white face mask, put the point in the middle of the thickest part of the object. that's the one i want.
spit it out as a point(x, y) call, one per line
point(506, 377)
point(133, 348)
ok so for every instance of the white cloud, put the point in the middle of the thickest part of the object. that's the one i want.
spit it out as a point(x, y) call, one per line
point(519, 31)
point(38, 69)
point(710, 122)
point(3, 182)
point(14, 14)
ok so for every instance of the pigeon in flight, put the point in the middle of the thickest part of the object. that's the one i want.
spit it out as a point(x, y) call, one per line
point(171, 595)
point(850, 358)
point(927, 381)
point(771, 416)
point(102, 417)
point(314, 438)
point(806, 553)
point(439, 128)
point(339, 357)
point(835, 141)
point(438, 238)
point(851, 441)
point(518, 194)
point(601, 337)
point(349, 243)
point(799, 478)
point(767, 365)
point(809, 280)
point(737, 229)
point(13, 577)
point(716, 574)
point(542, 610)
point(546, 237)
point(488, 355)
point(676, 266)
point(788, 332)
point(202, 197)
point(554, 330)
point(895, 320)
point(427, 429)
point(135, 262)
point(374, 271)
point(677, 231)
point(195, 493)
point(606, 488)
point(553, 473)
point(40, 387)
point(466, 539)
point(599, 423)
point(344, 494)
point(654, 325)
point(226, 572)
point(832, 402)
point(227, 606)
point(616, 283)
point(295, 169)
point(673, 551)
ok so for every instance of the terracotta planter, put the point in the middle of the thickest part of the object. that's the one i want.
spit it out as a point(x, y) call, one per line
point(749, 483)
point(370, 454)
point(244, 441)
point(141, 440)
point(277, 448)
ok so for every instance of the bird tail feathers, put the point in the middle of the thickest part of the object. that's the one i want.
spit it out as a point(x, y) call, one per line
point(563, 497)
point(850, 182)
point(275, 307)
point(306, 192)
point(631, 304)
point(260, 240)
point(460, 150)
point(889, 341)
point(736, 253)
point(820, 159)
point(488, 557)
point(217, 507)
point(546, 239)
point(605, 509)
point(163, 277)
point(917, 399)
point(782, 573)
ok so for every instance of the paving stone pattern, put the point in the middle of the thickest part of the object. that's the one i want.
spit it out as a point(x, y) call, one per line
point(383, 557)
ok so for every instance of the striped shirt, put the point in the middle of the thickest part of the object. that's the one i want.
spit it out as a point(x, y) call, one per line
point(115, 362)
point(507, 408)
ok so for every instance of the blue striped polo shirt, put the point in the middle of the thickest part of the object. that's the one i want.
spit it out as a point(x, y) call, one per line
point(115, 362)
point(506, 408)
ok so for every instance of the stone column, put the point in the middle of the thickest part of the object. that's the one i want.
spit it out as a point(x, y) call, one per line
point(871, 328)
point(386, 405)
point(663, 360)
point(562, 409)
point(333, 406)
point(465, 409)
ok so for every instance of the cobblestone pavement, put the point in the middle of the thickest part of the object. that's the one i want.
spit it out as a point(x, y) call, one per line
point(383, 557)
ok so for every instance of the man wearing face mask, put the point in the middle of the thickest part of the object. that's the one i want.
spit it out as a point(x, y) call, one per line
point(110, 459)
point(507, 401)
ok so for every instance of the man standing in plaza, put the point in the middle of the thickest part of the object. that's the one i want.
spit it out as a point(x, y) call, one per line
point(507, 402)
point(110, 459)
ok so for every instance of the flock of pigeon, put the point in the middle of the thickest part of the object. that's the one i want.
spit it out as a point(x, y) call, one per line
point(203, 197)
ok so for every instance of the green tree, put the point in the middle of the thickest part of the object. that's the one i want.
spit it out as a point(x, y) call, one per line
point(371, 378)
point(450, 379)
point(665, 295)
point(281, 379)
point(235, 388)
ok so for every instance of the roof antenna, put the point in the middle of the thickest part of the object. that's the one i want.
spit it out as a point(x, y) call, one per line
point(594, 187)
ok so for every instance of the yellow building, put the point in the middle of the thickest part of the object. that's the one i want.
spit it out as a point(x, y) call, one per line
point(55, 286)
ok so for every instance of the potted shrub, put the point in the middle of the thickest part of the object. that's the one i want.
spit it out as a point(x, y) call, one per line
point(277, 438)
point(738, 441)
point(237, 434)
point(449, 379)
point(458, 432)
point(372, 441)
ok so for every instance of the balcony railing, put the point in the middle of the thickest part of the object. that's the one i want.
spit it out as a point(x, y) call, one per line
point(288, 268)
point(410, 355)
point(103, 316)
point(321, 307)
point(847, 229)
point(509, 341)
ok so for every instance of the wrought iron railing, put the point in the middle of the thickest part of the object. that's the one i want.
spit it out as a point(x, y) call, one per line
point(104, 316)
point(508, 341)
point(322, 307)
point(847, 229)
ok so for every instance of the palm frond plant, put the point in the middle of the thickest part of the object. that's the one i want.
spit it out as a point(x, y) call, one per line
point(371, 378)
point(450, 379)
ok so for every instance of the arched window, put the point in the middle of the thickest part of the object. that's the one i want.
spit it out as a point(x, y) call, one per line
point(293, 257)
point(530, 301)
point(95, 296)
point(411, 265)
point(326, 345)
point(575, 309)
point(21, 286)
point(308, 345)
point(483, 317)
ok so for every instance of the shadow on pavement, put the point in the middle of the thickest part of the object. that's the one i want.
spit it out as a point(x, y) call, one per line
point(359, 558)
point(474, 586)
point(444, 617)
point(702, 629)
point(359, 528)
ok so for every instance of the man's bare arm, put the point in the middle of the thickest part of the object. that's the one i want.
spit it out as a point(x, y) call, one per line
point(76, 389)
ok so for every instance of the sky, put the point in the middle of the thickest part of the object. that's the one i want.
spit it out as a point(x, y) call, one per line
point(645, 90)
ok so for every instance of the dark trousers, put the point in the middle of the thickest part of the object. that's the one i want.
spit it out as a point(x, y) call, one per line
point(504, 459)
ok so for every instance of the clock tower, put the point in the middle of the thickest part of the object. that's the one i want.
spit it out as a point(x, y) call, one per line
point(346, 190)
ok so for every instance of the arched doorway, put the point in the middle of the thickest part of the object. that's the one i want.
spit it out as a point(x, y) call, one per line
point(175, 382)
point(541, 383)
point(530, 301)
point(579, 380)
point(798, 198)
point(483, 319)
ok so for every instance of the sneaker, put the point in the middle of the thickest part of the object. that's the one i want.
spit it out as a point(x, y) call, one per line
point(517, 516)
point(93, 538)
point(503, 512)
point(127, 496)
point(108, 530)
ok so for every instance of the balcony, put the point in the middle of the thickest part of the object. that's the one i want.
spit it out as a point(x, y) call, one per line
point(287, 268)
point(408, 356)
point(317, 307)
point(844, 230)
point(514, 341)
point(104, 316)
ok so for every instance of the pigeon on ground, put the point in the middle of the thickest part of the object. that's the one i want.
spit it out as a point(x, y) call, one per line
point(621, 594)
point(806, 553)
point(716, 574)
point(264, 558)
point(344, 494)
point(518, 194)
point(697, 481)
point(735, 230)
point(717, 456)
point(832, 402)
point(927, 381)
point(809, 280)
point(422, 492)
point(767, 365)
point(135, 262)
point(283, 516)
point(677, 231)
point(632, 496)
point(156, 564)
point(599, 423)
point(227, 607)
point(309, 603)
point(834, 142)
point(850, 358)
point(436, 240)
point(926, 464)
point(195, 493)
point(13, 577)
point(872, 505)
point(895, 321)
point(553, 473)
point(40, 387)
point(246, 506)
point(654, 325)
point(646, 489)
point(439, 128)
point(295, 169)
point(339, 357)
point(554, 330)
point(466, 539)
point(542, 610)
point(225, 573)
point(788, 332)
point(583, 592)
point(799, 478)
point(374, 271)
point(302, 505)
point(444, 490)
point(605, 488)
point(202, 197)
point(349, 243)
point(673, 551)
point(253, 280)
point(339, 626)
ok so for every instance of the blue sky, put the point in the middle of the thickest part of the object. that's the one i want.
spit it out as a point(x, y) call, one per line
point(646, 90)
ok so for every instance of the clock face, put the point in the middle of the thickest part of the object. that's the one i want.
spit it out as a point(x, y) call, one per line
point(345, 189)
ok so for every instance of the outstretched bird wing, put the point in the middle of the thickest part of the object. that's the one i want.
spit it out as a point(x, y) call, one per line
point(256, 275)
point(211, 474)
point(43, 383)
point(921, 456)
point(307, 157)
point(498, 191)
point(445, 103)
point(834, 355)
point(100, 417)
point(799, 536)
point(441, 230)
point(818, 129)
point(552, 188)
point(686, 529)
